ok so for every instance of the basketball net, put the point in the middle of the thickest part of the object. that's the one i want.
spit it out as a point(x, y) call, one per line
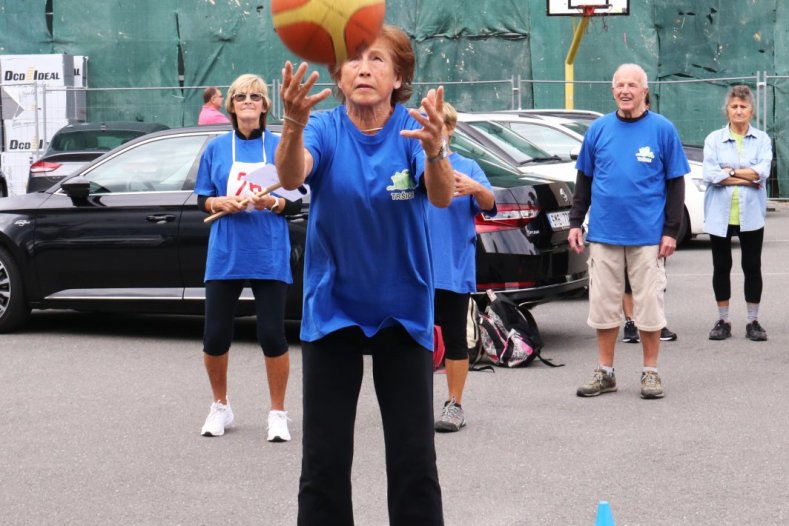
point(589, 11)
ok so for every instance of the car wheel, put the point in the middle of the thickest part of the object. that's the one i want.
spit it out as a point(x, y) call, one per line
point(14, 308)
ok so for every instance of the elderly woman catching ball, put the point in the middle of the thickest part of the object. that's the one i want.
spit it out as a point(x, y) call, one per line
point(373, 168)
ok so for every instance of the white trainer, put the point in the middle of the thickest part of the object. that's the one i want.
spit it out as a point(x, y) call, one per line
point(220, 417)
point(278, 426)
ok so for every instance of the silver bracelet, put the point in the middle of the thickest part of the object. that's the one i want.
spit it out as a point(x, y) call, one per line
point(294, 121)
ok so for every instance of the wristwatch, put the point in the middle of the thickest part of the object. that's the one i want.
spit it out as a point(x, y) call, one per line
point(732, 172)
point(442, 154)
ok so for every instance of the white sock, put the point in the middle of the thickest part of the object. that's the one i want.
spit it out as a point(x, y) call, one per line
point(753, 311)
point(608, 370)
point(650, 369)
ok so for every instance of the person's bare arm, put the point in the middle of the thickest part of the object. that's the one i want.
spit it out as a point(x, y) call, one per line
point(439, 176)
point(293, 161)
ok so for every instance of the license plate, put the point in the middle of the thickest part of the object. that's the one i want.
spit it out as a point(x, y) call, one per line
point(559, 220)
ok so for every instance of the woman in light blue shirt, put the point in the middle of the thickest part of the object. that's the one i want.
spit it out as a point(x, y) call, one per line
point(737, 160)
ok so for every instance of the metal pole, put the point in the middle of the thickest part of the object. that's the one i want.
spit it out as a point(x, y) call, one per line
point(763, 101)
point(514, 85)
point(569, 72)
point(43, 139)
point(275, 99)
point(35, 116)
point(520, 93)
point(758, 101)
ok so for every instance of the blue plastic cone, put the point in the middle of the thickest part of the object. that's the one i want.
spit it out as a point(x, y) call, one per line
point(604, 515)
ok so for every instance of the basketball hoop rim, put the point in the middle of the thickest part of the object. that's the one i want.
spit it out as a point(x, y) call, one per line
point(589, 10)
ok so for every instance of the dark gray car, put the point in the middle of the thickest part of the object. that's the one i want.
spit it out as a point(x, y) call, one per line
point(3, 185)
point(75, 145)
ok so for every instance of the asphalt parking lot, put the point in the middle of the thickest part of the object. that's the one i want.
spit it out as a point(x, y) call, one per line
point(102, 417)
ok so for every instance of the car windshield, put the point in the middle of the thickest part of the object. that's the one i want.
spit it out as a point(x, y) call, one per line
point(516, 146)
point(498, 171)
point(82, 140)
point(549, 139)
point(154, 166)
point(578, 127)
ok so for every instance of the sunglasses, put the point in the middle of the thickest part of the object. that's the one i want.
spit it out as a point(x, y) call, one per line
point(254, 97)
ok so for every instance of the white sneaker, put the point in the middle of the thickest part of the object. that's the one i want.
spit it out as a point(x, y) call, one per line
point(278, 426)
point(220, 417)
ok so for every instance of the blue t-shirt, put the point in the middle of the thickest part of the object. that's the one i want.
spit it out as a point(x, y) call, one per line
point(246, 245)
point(367, 260)
point(629, 163)
point(453, 236)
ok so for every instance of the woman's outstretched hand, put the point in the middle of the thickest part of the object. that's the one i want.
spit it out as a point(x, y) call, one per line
point(296, 100)
point(432, 133)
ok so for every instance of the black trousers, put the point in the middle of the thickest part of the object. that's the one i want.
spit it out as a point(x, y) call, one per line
point(221, 297)
point(751, 261)
point(451, 311)
point(403, 378)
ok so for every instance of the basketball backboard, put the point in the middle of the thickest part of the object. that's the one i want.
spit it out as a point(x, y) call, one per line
point(588, 7)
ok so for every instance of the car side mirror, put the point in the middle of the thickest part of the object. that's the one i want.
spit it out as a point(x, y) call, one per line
point(77, 188)
point(575, 152)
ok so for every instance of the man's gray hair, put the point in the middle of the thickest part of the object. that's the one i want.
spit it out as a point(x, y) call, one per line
point(632, 66)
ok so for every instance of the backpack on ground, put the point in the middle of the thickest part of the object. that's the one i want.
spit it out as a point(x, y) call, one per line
point(508, 336)
point(477, 359)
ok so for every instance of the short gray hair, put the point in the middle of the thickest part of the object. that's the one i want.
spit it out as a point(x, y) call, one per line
point(740, 91)
point(638, 68)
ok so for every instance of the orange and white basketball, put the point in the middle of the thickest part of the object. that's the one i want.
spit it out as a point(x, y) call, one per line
point(327, 31)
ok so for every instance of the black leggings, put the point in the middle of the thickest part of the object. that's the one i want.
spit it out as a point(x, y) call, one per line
point(751, 260)
point(221, 297)
point(333, 368)
point(451, 311)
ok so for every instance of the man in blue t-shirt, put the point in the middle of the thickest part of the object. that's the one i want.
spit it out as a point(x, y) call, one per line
point(631, 168)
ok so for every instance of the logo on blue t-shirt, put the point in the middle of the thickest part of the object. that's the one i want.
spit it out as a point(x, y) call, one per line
point(645, 154)
point(402, 187)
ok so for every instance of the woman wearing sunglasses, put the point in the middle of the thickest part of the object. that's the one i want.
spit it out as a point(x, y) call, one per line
point(373, 168)
point(247, 247)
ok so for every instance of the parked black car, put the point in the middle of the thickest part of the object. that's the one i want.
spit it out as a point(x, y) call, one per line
point(3, 185)
point(125, 234)
point(75, 145)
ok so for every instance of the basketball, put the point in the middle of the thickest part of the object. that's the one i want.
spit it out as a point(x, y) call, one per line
point(327, 31)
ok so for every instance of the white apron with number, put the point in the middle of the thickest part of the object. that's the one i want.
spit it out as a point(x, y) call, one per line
point(245, 178)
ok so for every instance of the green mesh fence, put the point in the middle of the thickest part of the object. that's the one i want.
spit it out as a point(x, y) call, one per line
point(149, 60)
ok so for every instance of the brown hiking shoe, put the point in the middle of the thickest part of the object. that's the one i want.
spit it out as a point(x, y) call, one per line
point(651, 387)
point(601, 383)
